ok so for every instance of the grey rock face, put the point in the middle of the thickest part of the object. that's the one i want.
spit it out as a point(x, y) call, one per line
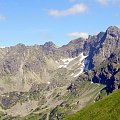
point(73, 48)
point(113, 31)
point(110, 43)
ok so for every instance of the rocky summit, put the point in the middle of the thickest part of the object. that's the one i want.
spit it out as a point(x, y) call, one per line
point(46, 82)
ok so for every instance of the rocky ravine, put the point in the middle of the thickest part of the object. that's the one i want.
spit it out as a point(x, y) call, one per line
point(52, 82)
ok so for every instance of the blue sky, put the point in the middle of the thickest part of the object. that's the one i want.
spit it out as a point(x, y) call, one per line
point(38, 21)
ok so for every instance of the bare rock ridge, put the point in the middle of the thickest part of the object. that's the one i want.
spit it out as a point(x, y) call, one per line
point(53, 79)
point(49, 45)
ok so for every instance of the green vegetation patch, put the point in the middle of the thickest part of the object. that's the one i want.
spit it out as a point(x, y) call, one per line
point(106, 109)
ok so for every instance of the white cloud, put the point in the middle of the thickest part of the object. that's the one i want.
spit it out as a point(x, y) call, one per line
point(103, 2)
point(78, 34)
point(106, 2)
point(2, 46)
point(76, 9)
point(2, 18)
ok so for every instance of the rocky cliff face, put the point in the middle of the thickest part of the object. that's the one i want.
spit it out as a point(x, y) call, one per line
point(111, 43)
point(51, 78)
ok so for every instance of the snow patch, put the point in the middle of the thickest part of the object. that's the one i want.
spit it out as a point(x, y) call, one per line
point(48, 83)
point(66, 62)
point(82, 64)
point(78, 73)
point(91, 82)
point(72, 74)
point(82, 57)
point(56, 62)
point(62, 66)
point(79, 60)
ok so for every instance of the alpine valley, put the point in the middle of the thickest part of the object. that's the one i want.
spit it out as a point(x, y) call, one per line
point(46, 82)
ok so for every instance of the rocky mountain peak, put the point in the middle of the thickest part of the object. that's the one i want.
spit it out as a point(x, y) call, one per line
point(113, 31)
point(20, 45)
point(49, 45)
point(76, 41)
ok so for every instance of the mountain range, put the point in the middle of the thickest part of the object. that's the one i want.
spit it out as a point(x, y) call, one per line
point(46, 82)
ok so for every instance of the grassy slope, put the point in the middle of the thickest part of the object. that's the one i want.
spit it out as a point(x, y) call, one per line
point(105, 109)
